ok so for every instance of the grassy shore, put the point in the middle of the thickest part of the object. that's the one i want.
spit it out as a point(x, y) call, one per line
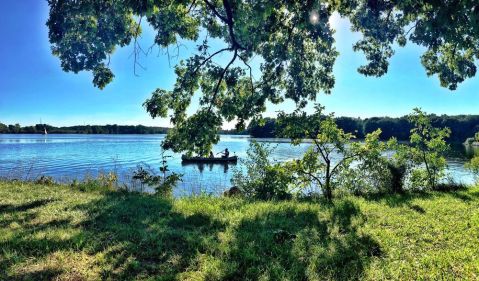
point(54, 232)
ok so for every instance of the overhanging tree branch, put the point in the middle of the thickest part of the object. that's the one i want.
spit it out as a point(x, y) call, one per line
point(215, 92)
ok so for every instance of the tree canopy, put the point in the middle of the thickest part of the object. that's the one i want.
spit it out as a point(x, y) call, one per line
point(293, 39)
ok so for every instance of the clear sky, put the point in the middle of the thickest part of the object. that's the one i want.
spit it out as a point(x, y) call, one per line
point(33, 86)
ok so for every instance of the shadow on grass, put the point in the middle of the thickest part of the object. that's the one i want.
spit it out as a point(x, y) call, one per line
point(138, 235)
point(141, 236)
point(398, 199)
point(401, 200)
point(9, 208)
point(456, 191)
point(310, 248)
point(43, 274)
point(462, 196)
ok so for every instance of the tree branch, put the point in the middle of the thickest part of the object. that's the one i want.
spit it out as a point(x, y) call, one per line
point(213, 9)
point(230, 23)
point(308, 173)
point(137, 48)
point(210, 57)
point(250, 72)
point(342, 161)
point(193, 4)
point(215, 92)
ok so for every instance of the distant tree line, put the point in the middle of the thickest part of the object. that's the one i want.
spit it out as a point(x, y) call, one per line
point(89, 129)
point(81, 129)
point(462, 126)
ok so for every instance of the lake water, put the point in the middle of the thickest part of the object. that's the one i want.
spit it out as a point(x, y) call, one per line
point(66, 157)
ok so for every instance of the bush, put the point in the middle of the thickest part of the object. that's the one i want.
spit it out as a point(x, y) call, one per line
point(261, 178)
point(473, 166)
point(102, 182)
point(397, 173)
point(276, 183)
point(45, 180)
point(375, 172)
point(163, 184)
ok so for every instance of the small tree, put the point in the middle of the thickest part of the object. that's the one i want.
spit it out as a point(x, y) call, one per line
point(428, 147)
point(163, 183)
point(330, 155)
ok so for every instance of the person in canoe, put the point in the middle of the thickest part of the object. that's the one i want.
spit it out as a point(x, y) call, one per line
point(211, 154)
point(226, 153)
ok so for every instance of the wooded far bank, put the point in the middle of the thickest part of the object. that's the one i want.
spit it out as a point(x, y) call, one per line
point(88, 129)
point(462, 127)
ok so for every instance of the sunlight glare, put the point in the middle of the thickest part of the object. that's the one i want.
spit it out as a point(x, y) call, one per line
point(314, 17)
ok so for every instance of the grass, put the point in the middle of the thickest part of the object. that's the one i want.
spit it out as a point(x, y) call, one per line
point(56, 232)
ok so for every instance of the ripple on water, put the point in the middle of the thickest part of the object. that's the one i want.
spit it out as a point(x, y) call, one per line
point(74, 156)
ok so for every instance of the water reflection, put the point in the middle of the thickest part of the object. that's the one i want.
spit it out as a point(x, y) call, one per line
point(209, 166)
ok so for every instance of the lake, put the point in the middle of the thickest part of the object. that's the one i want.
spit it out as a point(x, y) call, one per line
point(67, 157)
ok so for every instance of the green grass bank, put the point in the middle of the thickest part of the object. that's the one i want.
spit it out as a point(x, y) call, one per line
point(55, 232)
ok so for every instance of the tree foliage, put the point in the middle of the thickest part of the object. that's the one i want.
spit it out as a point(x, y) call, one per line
point(473, 166)
point(293, 39)
point(428, 146)
point(335, 161)
point(332, 152)
point(3, 129)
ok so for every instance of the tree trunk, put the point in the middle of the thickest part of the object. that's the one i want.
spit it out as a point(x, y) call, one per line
point(327, 185)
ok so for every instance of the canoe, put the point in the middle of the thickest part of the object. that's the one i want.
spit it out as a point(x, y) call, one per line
point(231, 159)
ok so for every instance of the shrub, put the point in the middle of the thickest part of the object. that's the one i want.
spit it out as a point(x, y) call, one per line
point(45, 180)
point(397, 174)
point(374, 171)
point(473, 166)
point(164, 183)
point(276, 183)
point(261, 178)
point(398, 165)
point(102, 182)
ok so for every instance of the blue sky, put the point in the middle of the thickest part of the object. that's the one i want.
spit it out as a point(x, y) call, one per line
point(33, 86)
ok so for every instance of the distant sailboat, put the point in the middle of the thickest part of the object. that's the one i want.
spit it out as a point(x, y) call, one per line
point(44, 128)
